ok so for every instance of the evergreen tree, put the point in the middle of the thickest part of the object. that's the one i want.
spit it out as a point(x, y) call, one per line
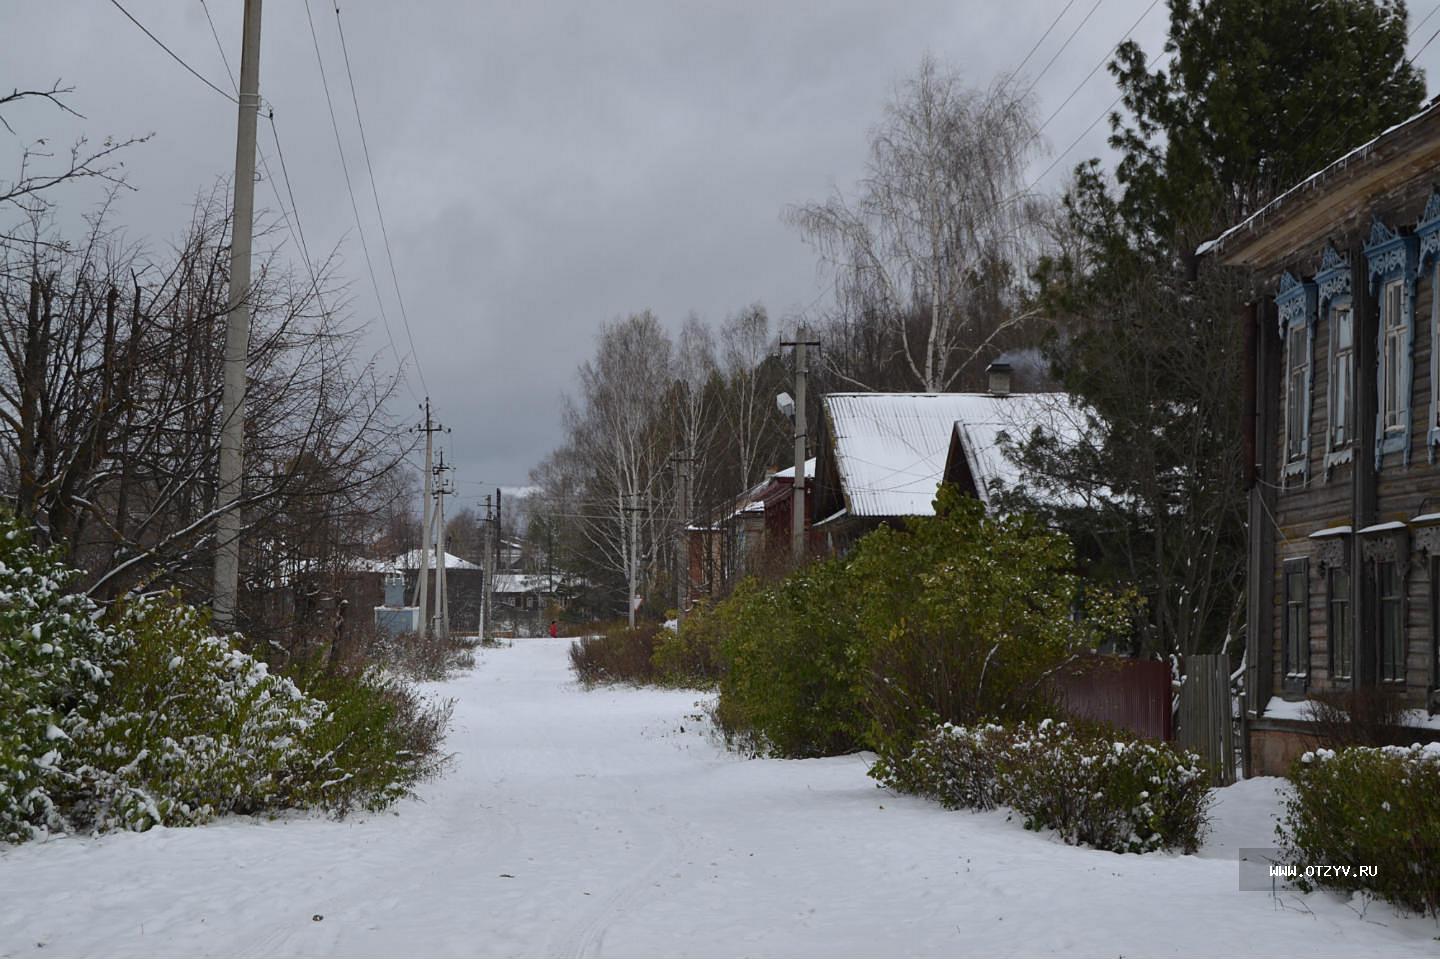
point(1253, 96)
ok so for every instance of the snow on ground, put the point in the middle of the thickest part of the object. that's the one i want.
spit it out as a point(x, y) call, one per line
point(606, 823)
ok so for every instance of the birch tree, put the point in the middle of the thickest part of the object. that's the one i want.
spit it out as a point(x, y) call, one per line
point(942, 207)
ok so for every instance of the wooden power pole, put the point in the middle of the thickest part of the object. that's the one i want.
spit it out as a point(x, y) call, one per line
point(422, 586)
point(237, 332)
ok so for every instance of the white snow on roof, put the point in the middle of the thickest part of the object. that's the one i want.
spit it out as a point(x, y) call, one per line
point(1290, 195)
point(789, 472)
point(411, 560)
point(890, 448)
point(527, 582)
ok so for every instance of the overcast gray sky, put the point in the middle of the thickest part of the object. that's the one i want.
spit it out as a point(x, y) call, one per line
point(545, 166)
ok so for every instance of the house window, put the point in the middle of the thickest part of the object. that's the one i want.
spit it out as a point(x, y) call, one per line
point(1342, 376)
point(1390, 592)
point(1394, 390)
point(1342, 649)
point(1296, 395)
point(1297, 623)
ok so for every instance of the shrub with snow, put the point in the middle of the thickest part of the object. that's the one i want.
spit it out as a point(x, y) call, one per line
point(54, 663)
point(1374, 807)
point(1093, 788)
point(141, 717)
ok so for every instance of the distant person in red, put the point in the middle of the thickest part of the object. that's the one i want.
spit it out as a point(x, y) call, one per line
point(554, 629)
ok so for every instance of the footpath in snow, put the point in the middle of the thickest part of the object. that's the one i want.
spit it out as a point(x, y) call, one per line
point(607, 823)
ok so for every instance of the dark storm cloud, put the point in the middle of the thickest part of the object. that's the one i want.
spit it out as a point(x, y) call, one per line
point(543, 167)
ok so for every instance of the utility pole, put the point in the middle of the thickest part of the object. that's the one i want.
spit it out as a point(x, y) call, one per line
point(633, 566)
point(237, 332)
point(422, 587)
point(682, 512)
point(486, 571)
point(797, 510)
point(442, 588)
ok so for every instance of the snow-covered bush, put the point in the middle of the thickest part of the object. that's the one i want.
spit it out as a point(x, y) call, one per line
point(1372, 807)
point(54, 663)
point(189, 728)
point(1093, 788)
point(141, 717)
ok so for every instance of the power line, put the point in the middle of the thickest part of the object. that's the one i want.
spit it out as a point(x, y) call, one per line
point(173, 55)
point(1057, 53)
point(1103, 60)
point(379, 213)
point(350, 188)
point(1416, 29)
point(1052, 26)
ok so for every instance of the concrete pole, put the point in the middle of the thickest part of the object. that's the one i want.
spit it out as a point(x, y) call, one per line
point(682, 558)
point(237, 332)
point(442, 566)
point(422, 588)
point(631, 570)
point(797, 512)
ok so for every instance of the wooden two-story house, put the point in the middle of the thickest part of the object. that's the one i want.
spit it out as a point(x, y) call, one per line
point(1342, 427)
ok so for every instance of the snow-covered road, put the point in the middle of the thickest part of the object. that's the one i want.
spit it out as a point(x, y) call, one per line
point(605, 823)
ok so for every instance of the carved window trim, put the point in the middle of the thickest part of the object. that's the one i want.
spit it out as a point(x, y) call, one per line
point(1295, 303)
point(1427, 234)
point(1392, 257)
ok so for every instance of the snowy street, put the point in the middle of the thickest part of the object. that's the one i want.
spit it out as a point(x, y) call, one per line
point(607, 823)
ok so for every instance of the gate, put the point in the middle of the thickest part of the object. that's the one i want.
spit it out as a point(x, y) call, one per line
point(1206, 725)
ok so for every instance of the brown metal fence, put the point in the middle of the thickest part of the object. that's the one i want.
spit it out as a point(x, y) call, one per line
point(1131, 694)
point(1206, 724)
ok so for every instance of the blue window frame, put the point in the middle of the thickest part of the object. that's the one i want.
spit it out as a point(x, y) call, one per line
point(1392, 260)
point(1427, 233)
point(1295, 304)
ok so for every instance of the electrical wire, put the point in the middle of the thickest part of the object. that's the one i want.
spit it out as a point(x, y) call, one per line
point(1095, 69)
point(1052, 26)
point(1056, 55)
point(173, 55)
point(350, 189)
point(375, 192)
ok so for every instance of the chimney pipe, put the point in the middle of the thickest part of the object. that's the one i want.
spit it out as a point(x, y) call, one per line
point(999, 378)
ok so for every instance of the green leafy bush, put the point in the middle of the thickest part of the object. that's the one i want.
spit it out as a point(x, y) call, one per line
point(1369, 807)
point(964, 616)
point(1092, 787)
point(790, 684)
point(690, 655)
point(618, 655)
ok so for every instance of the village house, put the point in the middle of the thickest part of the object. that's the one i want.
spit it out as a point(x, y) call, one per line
point(1342, 424)
point(883, 456)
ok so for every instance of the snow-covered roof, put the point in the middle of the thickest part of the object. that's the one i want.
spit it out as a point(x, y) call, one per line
point(411, 560)
point(890, 448)
point(789, 472)
point(1015, 416)
point(1291, 196)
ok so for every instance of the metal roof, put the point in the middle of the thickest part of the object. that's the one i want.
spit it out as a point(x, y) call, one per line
point(890, 448)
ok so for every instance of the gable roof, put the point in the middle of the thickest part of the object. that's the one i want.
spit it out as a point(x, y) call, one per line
point(889, 449)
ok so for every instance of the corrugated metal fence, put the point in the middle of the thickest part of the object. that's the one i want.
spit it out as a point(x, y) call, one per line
point(1131, 694)
point(1206, 724)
